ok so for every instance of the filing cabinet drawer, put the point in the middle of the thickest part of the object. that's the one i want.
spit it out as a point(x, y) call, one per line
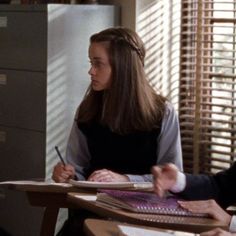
point(22, 154)
point(23, 99)
point(23, 40)
point(17, 202)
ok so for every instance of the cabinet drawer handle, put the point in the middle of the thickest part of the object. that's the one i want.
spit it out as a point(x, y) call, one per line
point(3, 137)
point(3, 21)
point(2, 194)
point(3, 79)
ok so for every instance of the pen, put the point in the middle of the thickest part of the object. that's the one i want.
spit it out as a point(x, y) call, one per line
point(59, 154)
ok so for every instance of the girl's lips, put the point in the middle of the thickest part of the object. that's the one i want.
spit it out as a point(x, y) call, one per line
point(94, 81)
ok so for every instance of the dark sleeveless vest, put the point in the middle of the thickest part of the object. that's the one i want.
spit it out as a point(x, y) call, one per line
point(133, 153)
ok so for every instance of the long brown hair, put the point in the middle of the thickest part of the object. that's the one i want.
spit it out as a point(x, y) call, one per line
point(130, 104)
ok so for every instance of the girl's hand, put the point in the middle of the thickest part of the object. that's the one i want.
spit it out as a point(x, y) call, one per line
point(105, 175)
point(62, 174)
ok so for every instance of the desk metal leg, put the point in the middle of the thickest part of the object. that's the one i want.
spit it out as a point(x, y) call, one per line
point(49, 221)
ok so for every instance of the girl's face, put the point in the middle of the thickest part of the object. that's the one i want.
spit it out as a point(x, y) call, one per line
point(100, 70)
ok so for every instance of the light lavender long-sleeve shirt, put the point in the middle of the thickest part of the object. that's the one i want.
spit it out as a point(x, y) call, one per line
point(168, 147)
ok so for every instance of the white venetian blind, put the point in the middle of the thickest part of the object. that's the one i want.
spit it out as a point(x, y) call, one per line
point(208, 84)
point(158, 24)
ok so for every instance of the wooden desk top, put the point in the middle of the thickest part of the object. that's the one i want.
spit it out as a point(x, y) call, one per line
point(95, 227)
point(38, 186)
point(188, 224)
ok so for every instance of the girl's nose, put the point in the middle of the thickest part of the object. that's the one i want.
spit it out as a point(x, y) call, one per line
point(91, 71)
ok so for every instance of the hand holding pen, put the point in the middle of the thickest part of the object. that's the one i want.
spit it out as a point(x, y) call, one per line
point(60, 156)
point(62, 172)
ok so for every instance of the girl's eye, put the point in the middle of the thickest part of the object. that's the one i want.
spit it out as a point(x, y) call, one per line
point(96, 64)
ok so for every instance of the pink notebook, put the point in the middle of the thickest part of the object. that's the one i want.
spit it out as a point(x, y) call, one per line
point(143, 202)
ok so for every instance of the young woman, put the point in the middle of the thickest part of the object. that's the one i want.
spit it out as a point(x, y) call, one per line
point(122, 127)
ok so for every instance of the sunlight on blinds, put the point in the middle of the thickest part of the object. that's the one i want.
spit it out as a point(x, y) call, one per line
point(159, 26)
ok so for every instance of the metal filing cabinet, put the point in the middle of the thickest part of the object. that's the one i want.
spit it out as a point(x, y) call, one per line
point(43, 77)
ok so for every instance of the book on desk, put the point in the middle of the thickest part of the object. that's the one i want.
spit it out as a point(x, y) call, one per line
point(144, 202)
point(112, 185)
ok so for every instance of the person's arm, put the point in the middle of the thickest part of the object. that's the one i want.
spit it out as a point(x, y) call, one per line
point(168, 178)
point(197, 187)
point(220, 187)
point(187, 186)
point(77, 153)
point(169, 141)
point(168, 144)
point(200, 187)
point(226, 182)
point(210, 207)
point(191, 187)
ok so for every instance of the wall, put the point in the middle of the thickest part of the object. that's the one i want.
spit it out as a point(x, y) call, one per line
point(130, 9)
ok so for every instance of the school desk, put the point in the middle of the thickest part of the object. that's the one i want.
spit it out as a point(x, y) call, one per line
point(180, 223)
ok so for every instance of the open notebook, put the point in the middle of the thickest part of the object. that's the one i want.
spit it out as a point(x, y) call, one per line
point(143, 202)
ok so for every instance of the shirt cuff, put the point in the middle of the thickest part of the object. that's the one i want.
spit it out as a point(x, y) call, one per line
point(180, 183)
point(232, 226)
point(135, 178)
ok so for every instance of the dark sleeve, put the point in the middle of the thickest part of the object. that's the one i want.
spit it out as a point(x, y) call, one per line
point(226, 181)
point(200, 187)
point(219, 187)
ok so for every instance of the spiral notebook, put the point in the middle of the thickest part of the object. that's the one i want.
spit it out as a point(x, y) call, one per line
point(143, 202)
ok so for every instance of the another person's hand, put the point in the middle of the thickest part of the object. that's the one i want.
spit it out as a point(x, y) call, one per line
point(105, 175)
point(62, 174)
point(217, 232)
point(165, 178)
point(209, 207)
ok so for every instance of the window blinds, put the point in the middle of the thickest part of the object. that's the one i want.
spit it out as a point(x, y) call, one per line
point(158, 24)
point(207, 99)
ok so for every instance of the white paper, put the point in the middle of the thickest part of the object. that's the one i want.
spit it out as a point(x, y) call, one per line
point(87, 197)
point(135, 231)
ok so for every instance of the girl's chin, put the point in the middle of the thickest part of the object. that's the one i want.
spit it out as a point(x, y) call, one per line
point(97, 88)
